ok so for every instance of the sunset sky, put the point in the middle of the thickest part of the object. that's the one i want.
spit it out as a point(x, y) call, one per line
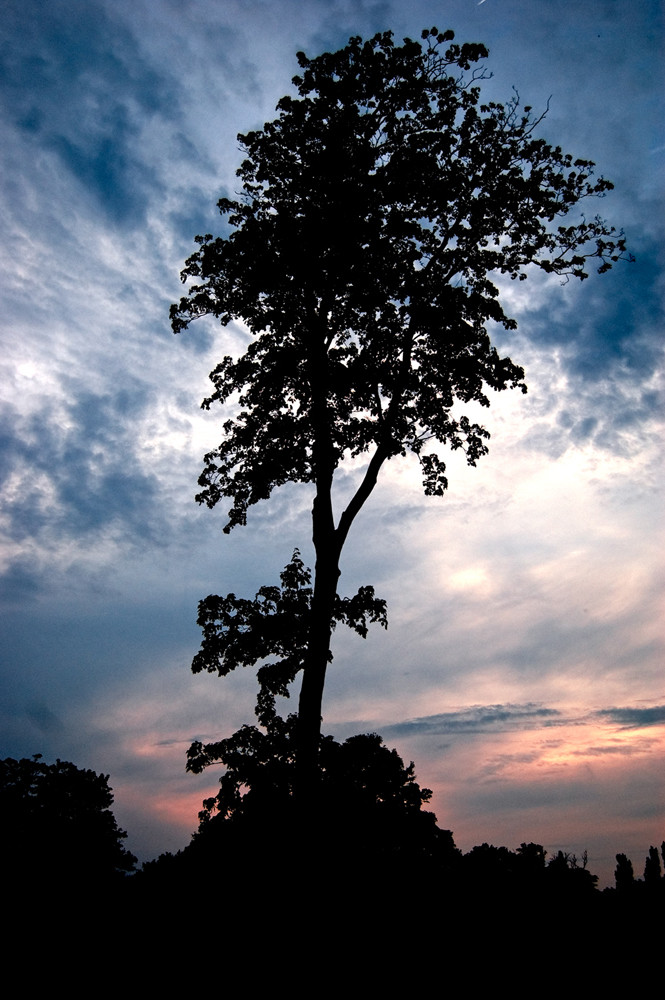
point(522, 669)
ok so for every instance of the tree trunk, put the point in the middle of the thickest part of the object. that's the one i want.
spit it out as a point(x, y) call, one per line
point(328, 543)
point(326, 576)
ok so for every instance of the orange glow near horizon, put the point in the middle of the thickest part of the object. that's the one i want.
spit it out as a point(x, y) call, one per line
point(561, 786)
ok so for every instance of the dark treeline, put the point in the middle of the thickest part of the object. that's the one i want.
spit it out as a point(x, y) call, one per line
point(382, 856)
point(379, 851)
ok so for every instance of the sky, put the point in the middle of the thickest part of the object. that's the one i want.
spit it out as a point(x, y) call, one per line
point(522, 666)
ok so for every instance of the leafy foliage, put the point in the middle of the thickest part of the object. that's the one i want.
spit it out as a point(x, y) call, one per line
point(374, 217)
point(652, 870)
point(58, 824)
point(273, 626)
point(498, 869)
point(369, 812)
point(373, 214)
point(261, 766)
point(624, 875)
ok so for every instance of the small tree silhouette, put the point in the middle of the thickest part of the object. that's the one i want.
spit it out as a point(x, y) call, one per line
point(652, 871)
point(624, 875)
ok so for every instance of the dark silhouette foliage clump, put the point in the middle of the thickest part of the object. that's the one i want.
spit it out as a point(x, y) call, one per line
point(652, 870)
point(499, 872)
point(57, 826)
point(624, 875)
point(370, 825)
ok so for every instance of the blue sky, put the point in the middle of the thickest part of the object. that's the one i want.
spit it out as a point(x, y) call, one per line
point(522, 666)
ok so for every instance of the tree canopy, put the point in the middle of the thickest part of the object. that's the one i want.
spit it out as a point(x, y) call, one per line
point(371, 823)
point(374, 217)
point(272, 629)
point(58, 825)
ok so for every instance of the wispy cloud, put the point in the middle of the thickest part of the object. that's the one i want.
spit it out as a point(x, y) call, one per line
point(487, 719)
point(634, 718)
point(479, 719)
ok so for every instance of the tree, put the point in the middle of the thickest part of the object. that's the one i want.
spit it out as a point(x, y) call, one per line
point(371, 824)
point(624, 875)
point(375, 214)
point(240, 632)
point(58, 825)
point(567, 875)
point(652, 871)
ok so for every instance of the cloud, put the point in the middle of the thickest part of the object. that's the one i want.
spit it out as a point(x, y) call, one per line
point(75, 84)
point(634, 718)
point(478, 719)
point(619, 327)
point(624, 751)
point(44, 719)
point(504, 723)
point(79, 474)
point(20, 579)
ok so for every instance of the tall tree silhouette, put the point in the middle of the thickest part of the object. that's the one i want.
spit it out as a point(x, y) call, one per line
point(373, 217)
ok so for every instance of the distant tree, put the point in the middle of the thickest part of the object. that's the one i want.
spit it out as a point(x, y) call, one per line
point(624, 875)
point(531, 862)
point(567, 875)
point(487, 867)
point(505, 874)
point(652, 872)
point(374, 217)
point(57, 825)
